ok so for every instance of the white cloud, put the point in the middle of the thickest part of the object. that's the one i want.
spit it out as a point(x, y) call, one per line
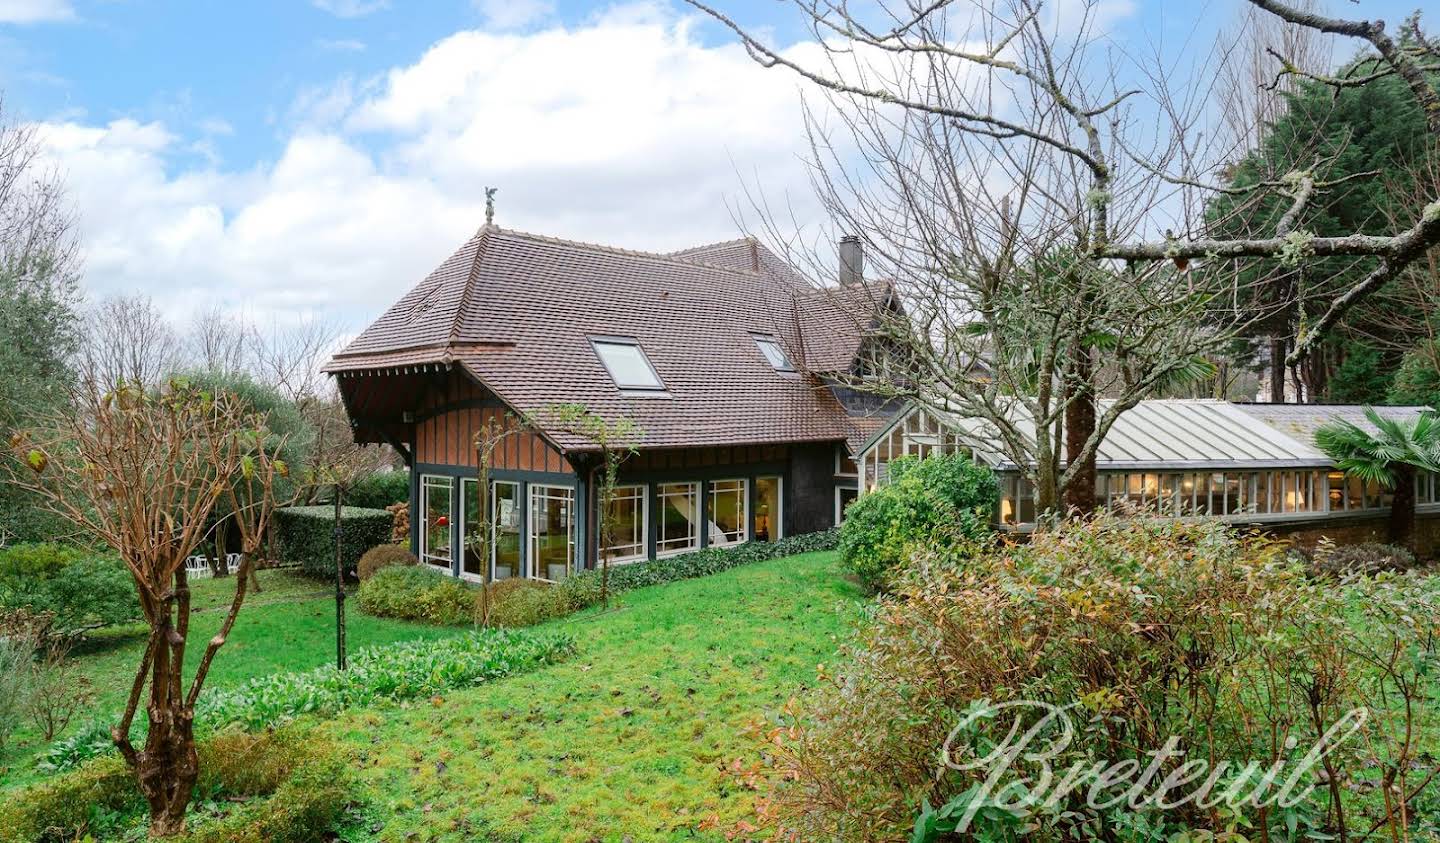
point(350, 8)
point(35, 11)
point(513, 14)
point(340, 45)
point(625, 131)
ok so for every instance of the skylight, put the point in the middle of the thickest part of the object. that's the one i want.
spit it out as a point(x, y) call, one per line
point(774, 353)
point(627, 364)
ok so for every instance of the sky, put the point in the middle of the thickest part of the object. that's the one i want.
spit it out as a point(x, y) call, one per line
point(299, 159)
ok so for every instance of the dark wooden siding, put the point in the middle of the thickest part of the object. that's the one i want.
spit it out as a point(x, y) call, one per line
point(686, 458)
point(456, 410)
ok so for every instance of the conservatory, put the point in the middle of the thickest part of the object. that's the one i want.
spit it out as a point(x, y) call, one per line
point(1181, 458)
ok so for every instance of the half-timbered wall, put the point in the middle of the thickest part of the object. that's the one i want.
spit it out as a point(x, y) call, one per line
point(448, 420)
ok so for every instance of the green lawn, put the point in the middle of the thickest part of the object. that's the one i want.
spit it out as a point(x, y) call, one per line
point(628, 740)
point(290, 625)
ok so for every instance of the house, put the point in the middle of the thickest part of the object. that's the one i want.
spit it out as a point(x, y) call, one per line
point(1249, 464)
point(718, 354)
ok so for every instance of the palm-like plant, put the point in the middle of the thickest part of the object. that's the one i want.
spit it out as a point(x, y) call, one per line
point(1390, 457)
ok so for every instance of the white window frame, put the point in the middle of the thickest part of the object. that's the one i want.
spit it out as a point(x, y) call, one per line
point(840, 459)
point(642, 490)
point(695, 522)
point(537, 492)
point(778, 519)
point(464, 528)
point(425, 555)
point(744, 510)
point(597, 343)
point(495, 523)
point(840, 510)
point(767, 341)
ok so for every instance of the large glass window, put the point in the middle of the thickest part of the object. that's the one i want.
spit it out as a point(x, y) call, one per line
point(435, 529)
point(768, 512)
point(505, 523)
point(470, 527)
point(552, 531)
point(727, 512)
point(627, 364)
point(679, 526)
point(626, 525)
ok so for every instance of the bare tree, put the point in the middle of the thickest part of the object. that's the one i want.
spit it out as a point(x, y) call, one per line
point(217, 341)
point(141, 469)
point(130, 340)
point(37, 226)
point(1013, 175)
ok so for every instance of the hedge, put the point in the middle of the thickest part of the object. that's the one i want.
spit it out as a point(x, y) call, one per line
point(307, 536)
point(379, 490)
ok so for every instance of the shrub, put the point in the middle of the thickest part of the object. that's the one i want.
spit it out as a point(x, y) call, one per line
point(379, 490)
point(417, 593)
point(16, 654)
point(942, 499)
point(516, 602)
point(1366, 558)
point(400, 530)
point(80, 591)
point(25, 562)
point(307, 536)
point(305, 779)
point(1149, 629)
point(384, 556)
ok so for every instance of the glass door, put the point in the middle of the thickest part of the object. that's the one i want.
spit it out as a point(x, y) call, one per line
point(505, 521)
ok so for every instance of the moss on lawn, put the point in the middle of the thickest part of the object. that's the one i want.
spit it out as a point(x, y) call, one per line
point(630, 739)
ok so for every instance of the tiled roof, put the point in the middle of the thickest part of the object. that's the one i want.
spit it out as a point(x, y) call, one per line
point(518, 310)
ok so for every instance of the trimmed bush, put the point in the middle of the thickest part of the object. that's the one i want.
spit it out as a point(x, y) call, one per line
point(307, 536)
point(41, 560)
point(305, 779)
point(417, 593)
point(583, 589)
point(940, 500)
point(384, 556)
point(379, 490)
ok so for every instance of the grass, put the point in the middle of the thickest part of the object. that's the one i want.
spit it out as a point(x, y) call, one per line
point(628, 741)
point(289, 625)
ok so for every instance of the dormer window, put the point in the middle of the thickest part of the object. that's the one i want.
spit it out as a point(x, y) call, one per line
point(627, 364)
point(770, 347)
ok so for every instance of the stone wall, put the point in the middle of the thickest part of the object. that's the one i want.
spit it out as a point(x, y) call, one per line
point(1307, 534)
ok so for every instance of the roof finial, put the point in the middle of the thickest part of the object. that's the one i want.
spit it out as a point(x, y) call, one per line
point(490, 204)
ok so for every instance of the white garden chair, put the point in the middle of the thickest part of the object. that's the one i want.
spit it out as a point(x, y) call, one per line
point(197, 566)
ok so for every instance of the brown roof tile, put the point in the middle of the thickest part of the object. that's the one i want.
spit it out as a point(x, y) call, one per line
point(518, 310)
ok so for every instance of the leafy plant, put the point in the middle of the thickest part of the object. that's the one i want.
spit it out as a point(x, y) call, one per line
point(417, 593)
point(517, 602)
point(1147, 629)
point(1390, 457)
point(16, 653)
point(402, 671)
point(939, 500)
point(379, 489)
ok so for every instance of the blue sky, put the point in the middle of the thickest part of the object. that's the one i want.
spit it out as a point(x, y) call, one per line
point(319, 156)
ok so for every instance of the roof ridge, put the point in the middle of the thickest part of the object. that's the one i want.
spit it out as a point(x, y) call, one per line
point(483, 236)
point(704, 246)
point(619, 250)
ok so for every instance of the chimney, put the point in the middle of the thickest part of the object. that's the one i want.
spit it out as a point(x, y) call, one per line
point(852, 260)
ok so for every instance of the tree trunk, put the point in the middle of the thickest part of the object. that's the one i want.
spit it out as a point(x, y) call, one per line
point(1277, 370)
point(1402, 508)
point(1078, 496)
point(168, 767)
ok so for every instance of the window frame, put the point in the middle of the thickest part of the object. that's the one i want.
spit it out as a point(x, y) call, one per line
point(597, 344)
point(777, 518)
point(698, 508)
point(448, 483)
point(541, 490)
point(495, 524)
point(744, 519)
point(839, 507)
point(764, 341)
point(642, 538)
